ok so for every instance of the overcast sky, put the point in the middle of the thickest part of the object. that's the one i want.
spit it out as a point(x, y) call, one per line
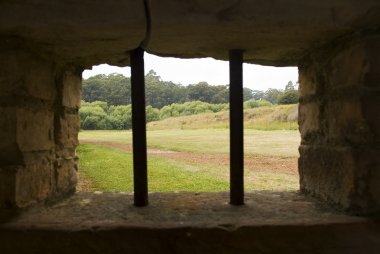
point(214, 72)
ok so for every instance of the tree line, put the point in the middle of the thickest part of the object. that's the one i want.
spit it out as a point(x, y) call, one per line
point(115, 89)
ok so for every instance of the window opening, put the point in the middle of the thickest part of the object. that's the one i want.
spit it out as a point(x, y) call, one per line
point(247, 104)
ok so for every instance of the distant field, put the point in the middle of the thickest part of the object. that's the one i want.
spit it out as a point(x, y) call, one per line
point(188, 160)
point(268, 143)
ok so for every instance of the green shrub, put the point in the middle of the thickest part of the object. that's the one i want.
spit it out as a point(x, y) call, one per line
point(98, 115)
point(121, 117)
point(289, 97)
point(256, 103)
point(152, 114)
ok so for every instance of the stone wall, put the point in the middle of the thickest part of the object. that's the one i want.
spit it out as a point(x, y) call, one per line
point(340, 124)
point(39, 101)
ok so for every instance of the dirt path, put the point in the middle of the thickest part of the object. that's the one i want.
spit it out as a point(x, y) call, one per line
point(252, 163)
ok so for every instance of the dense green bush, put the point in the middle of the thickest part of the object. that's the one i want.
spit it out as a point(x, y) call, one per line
point(120, 117)
point(152, 114)
point(98, 115)
point(289, 97)
point(256, 103)
point(94, 117)
point(191, 108)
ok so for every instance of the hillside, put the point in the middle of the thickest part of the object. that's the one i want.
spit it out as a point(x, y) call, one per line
point(281, 117)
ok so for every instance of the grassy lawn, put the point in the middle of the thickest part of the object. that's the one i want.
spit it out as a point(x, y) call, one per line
point(191, 153)
point(111, 170)
point(282, 143)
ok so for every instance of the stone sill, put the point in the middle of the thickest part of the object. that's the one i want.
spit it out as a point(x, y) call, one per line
point(270, 222)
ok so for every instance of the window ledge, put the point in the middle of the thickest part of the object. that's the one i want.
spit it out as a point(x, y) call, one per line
point(285, 222)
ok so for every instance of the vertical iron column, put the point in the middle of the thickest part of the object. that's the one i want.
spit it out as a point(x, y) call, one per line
point(236, 128)
point(140, 176)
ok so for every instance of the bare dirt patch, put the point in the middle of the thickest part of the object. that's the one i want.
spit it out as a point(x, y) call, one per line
point(253, 163)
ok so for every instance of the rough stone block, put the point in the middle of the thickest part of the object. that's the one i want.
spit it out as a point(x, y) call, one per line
point(307, 80)
point(25, 74)
point(343, 169)
point(372, 74)
point(9, 150)
point(343, 176)
point(39, 79)
point(347, 68)
point(11, 72)
point(35, 130)
point(346, 124)
point(7, 187)
point(34, 180)
point(72, 90)
point(66, 171)
point(69, 129)
point(309, 120)
point(327, 173)
point(370, 110)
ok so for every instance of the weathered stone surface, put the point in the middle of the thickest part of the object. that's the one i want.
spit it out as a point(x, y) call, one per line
point(372, 74)
point(72, 90)
point(11, 72)
point(39, 78)
point(89, 31)
point(66, 176)
point(9, 150)
point(69, 129)
point(169, 210)
point(270, 222)
point(346, 124)
point(308, 79)
point(268, 33)
point(346, 176)
point(272, 32)
point(328, 173)
point(34, 180)
point(370, 109)
point(25, 74)
point(339, 126)
point(35, 130)
point(348, 68)
point(309, 121)
point(7, 186)
point(36, 164)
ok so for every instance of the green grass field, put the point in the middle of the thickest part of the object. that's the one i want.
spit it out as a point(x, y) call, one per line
point(191, 153)
point(110, 169)
point(199, 163)
point(269, 143)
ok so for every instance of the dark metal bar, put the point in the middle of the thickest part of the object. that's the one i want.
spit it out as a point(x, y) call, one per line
point(140, 175)
point(236, 128)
